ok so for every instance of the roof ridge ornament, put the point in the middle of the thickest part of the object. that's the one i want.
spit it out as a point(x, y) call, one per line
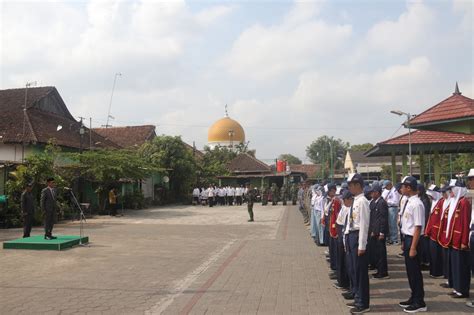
point(456, 90)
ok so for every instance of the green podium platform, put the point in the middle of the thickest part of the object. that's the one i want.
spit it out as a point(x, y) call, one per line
point(39, 243)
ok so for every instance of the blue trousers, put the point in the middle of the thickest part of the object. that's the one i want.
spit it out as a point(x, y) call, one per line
point(413, 266)
point(392, 224)
point(360, 272)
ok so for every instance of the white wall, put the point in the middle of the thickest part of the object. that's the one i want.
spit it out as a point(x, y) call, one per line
point(10, 152)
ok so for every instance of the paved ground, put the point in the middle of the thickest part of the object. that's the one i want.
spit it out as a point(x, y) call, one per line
point(195, 260)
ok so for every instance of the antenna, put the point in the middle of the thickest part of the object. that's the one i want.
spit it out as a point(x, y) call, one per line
point(111, 97)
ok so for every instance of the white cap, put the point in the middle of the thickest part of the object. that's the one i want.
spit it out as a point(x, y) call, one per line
point(432, 187)
point(471, 173)
point(452, 182)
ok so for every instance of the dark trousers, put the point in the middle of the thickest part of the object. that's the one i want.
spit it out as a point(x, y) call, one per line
point(436, 259)
point(294, 202)
point(372, 251)
point(360, 270)
point(210, 200)
point(447, 266)
point(113, 209)
point(472, 252)
point(381, 257)
point(341, 269)
point(347, 256)
point(27, 224)
point(250, 210)
point(48, 223)
point(413, 266)
point(333, 253)
point(239, 200)
point(460, 271)
point(326, 230)
point(425, 250)
point(231, 200)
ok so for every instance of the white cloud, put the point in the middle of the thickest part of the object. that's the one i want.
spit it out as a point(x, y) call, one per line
point(394, 37)
point(264, 52)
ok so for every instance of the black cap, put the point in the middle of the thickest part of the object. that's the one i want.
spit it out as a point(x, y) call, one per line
point(346, 194)
point(376, 187)
point(398, 186)
point(411, 182)
point(50, 179)
point(332, 186)
point(356, 178)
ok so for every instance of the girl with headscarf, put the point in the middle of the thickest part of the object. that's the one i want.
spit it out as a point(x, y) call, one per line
point(425, 244)
point(454, 234)
point(431, 232)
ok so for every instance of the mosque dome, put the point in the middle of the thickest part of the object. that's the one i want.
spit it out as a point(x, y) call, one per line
point(225, 132)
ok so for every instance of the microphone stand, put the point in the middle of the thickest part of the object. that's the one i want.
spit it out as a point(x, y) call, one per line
point(82, 217)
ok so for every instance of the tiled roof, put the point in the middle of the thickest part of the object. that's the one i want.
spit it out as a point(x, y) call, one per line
point(454, 107)
point(425, 137)
point(128, 136)
point(245, 163)
point(194, 150)
point(309, 169)
point(39, 124)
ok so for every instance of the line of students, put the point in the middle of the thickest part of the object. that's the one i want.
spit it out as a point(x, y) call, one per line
point(433, 230)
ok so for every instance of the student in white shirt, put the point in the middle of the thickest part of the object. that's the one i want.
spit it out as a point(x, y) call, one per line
point(392, 197)
point(412, 222)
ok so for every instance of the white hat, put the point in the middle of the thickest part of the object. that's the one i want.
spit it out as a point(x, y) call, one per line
point(471, 173)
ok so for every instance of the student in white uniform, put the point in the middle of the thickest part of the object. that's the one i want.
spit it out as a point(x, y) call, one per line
point(412, 223)
point(358, 230)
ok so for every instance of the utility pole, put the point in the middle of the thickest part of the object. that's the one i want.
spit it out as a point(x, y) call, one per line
point(111, 97)
point(27, 85)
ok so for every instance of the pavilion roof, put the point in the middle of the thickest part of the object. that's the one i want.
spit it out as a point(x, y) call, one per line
point(425, 141)
point(457, 107)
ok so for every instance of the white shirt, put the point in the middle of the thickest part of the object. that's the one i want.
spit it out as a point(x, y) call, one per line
point(341, 217)
point(238, 191)
point(392, 197)
point(360, 219)
point(196, 192)
point(231, 192)
point(210, 192)
point(413, 216)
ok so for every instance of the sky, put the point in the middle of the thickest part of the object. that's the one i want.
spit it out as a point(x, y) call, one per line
point(288, 71)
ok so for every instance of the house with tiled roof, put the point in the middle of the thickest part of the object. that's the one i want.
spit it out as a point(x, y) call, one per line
point(445, 128)
point(33, 117)
point(128, 136)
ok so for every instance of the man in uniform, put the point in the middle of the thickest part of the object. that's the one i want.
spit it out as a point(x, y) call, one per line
point(412, 223)
point(284, 194)
point(27, 209)
point(378, 231)
point(264, 195)
point(274, 194)
point(392, 197)
point(294, 194)
point(49, 207)
point(251, 195)
point(358, 230)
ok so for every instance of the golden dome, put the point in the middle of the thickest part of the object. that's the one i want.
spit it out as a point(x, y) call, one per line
point(226, 130)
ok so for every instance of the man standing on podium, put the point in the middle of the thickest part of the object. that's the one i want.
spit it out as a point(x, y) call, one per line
point(49, 206)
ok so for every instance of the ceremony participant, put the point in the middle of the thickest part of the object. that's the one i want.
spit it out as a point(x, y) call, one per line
point(317, 203)
point(425, 245)
point(378, 230)
point(210, 196)
point(470, 183)
point(204, 196)
point(412, 223)
point(392, 197)
point(446, 193)
point(113, 201)
point(196, 194)
point(238, 195)
point(341, 221)
point(49, 206)
point(432, 230)
point(358, 230)
point(454, 234)
point(27, 209)
point(333, 206)
point(251, 195)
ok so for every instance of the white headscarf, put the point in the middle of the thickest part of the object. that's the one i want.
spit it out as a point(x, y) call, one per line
point(458, 192)
point(435, 195)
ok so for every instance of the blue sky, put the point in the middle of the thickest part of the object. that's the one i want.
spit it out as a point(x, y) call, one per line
point(289, 71)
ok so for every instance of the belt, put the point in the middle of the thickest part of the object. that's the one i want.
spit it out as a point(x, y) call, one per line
point(393, 206)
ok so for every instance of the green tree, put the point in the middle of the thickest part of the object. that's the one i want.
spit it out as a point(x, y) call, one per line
point(326, 150)
point(214, 163)
point(291, 159)
point(171, 153)
point(361, 147)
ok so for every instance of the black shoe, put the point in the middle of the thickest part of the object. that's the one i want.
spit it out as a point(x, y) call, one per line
point(48, 237)
point(348, 295)
point(401, 255)
point(372, 268)
point(452, 294)
point(251, 220)
point(444, 285)
point(377, 276)
point(333, 277)
point(53, 237)
point(338, 286)
point(415, 308)
point(351, 305)
point(405, 304)
point(360, 310)
point(460, 296)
